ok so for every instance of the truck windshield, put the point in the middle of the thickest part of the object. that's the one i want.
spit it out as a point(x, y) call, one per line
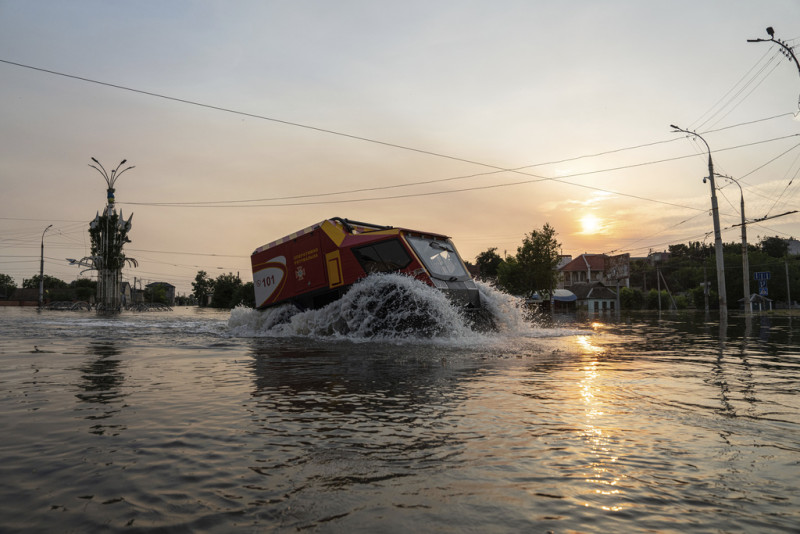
point(383, 257)
point(439, 257)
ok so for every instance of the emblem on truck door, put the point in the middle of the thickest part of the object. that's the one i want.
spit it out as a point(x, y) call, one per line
point(268, 280)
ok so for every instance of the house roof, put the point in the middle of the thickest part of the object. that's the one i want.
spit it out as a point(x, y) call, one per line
point(594, 290)
point(584, 262)
point(167, 284)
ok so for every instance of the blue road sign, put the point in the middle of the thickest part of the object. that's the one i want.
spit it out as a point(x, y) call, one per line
point(761, 275)
point(762, 291)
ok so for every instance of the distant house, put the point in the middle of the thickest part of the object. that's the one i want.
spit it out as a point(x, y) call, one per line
point(658, 257)
point(584, 269)
point(594, 297)
point(169, 290)
point(590, 268)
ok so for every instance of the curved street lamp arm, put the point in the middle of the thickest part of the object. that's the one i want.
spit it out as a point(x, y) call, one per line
point(789, 50)
point(103, 173)
point(689, 132)
point(123, 170)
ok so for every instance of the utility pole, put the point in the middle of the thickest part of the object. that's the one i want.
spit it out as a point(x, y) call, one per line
point(748, 306)
point(41, 271)
point(788, 286)
point(658, 283)
point(723, 297)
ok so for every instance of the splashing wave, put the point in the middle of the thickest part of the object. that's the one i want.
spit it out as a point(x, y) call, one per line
point(384, 307)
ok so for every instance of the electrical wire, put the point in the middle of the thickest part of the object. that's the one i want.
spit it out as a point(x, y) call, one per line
point(536, 179)
point(332, 132)
point(496, 170)
point(777, 64)
point(723, 97)
point(247, 114)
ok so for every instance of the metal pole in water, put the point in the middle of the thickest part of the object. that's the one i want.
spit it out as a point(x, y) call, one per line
point(41, 271)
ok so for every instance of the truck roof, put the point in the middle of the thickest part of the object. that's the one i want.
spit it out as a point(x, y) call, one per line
point(347, 225)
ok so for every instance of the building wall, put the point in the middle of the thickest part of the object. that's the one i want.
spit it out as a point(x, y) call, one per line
point(594, 306)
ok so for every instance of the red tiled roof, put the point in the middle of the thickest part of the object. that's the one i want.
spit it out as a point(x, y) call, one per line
point(595, 262)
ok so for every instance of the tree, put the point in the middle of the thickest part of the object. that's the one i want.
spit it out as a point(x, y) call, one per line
point(510, 276)
point(538, 259)
point(7, 285)
point(244, 295)
point(653, 297)
point(488, 262)
point(774, 246)
point(84, 288)
point(50, 282)
point(202, 286)
point(533, 268)
point(631, 299)
point(226, 287)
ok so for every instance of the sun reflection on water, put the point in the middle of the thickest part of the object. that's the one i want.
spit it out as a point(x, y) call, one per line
point(603, 460)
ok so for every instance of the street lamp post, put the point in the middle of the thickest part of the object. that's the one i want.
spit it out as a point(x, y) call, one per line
point(748, 306)
point(41, 271)
point(109, 235)
point(723, 298)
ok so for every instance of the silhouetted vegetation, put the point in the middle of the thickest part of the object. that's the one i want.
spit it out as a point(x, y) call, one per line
point(227, 291)
point(689, 268)
point(532, 268)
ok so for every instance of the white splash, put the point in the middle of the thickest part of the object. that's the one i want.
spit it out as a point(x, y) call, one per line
point(390, 307)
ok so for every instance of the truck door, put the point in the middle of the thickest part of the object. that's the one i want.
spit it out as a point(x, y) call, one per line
point(308, 272)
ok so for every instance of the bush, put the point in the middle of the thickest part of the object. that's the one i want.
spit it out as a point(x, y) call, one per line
point(630, 299)
point(653, 298)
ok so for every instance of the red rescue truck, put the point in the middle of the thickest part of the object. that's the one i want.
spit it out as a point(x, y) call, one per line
point(317, 265)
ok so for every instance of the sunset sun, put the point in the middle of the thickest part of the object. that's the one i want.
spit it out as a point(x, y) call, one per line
point(590, 224)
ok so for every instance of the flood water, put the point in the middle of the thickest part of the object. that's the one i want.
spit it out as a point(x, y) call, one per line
point(203, 421)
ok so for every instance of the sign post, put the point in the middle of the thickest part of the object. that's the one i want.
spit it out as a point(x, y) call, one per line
point(762, 277)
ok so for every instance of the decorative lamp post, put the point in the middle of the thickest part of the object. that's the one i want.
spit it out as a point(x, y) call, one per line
point(41, 271)
point(109, 233)
point(723, 298)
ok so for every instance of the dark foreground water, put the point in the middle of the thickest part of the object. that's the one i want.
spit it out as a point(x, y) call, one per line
point(190, 422)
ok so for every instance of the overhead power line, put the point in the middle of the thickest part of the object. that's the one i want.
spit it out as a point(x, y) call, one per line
point(247, 114)
point(496, 169)
point(535, 179)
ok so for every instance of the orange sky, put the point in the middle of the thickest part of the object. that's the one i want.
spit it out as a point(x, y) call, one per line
point(481, 120)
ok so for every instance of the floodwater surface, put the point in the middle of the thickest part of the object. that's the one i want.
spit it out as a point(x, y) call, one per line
point(206, 421)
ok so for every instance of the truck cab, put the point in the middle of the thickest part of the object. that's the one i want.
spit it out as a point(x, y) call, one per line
point(317, 265)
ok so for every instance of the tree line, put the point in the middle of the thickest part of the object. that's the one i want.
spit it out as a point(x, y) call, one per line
point(681, 278)
point(82, 289)
point(54, 288)
point(691, 267)
point(226, 291)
